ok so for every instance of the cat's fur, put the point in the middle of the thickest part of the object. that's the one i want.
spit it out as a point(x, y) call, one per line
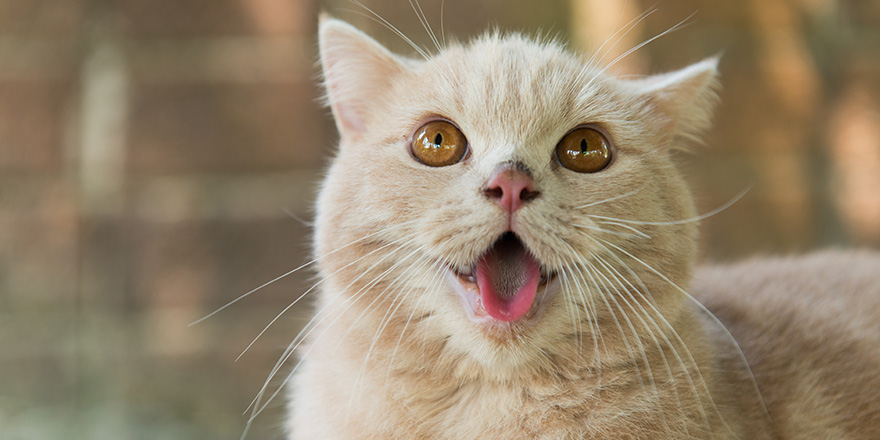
point(621, 351)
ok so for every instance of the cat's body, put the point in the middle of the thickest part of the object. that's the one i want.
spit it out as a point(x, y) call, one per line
point(810, 328)
point(528, 287)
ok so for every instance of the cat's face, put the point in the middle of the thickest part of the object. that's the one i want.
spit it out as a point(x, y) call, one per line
point(503, 194)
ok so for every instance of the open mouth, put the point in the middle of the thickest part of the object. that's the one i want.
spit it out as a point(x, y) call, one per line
point(506, 284)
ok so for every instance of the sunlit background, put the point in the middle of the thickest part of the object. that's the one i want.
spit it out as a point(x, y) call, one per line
point(158, 158)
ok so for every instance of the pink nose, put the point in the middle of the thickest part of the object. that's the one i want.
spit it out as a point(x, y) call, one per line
point(510, 187)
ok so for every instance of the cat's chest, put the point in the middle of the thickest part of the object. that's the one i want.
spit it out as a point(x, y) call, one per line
point(487, 409)
point(502, 410)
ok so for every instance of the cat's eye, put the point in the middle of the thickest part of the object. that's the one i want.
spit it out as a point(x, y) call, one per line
point(584, 150)
point(439, 143)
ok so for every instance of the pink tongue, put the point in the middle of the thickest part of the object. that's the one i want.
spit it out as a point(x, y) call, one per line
point(508, 278)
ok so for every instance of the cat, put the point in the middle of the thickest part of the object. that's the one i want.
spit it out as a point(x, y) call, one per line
point(507, 251)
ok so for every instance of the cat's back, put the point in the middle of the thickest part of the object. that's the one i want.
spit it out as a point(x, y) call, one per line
point(810, 329)
point(826, 288)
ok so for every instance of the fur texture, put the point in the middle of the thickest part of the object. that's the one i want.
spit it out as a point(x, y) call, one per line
point(620, 350)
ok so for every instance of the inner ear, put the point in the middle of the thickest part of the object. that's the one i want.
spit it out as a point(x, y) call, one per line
point(358, 72)
point(684, 99)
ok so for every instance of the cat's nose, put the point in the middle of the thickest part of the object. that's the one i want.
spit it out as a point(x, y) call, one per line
point(510, 186)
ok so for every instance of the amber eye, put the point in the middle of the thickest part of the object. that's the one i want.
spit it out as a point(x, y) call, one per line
point(584, 150)
point(438, 144)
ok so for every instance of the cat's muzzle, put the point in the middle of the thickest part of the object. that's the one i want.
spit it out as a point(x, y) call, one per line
point(505, 285)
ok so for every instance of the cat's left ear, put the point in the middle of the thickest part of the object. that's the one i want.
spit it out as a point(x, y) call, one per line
point(683, 99)
point(358, 71)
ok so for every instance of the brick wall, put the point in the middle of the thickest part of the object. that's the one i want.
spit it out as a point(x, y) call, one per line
point(158, 158)
point(154, 159)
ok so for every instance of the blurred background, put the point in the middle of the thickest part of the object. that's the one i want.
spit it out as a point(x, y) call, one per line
point(158, 158)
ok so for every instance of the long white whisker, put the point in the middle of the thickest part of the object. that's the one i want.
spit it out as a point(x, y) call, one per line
point(297, 340)
point(417, 8)
point(379, 19)
point(626, 29)
point(309, 290)
point(680, 341)
point(258, 408)
point(711, 316)
point(591, 64)
point(574, 311)
point(290, 272)
point(635, 232)
point(295, 344)
point(436, 275)
point(442, 27)
point(715, 211)
point(396, 303)
point(588, 305)
point(641, 314)
point(607, 286)
point(603, 295)
point(611, 199)
point(674, 28)
point(591, 309)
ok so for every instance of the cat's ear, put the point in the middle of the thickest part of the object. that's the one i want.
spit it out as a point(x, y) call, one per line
point(684, 99)
point(357, 71)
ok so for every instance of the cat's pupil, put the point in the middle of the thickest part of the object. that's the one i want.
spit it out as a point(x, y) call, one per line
point(438, 139)
point(583, 146)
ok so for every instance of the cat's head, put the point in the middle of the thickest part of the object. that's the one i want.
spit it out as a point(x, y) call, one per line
point(504, 193)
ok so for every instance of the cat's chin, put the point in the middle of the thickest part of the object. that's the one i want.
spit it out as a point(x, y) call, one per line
point(468, 290)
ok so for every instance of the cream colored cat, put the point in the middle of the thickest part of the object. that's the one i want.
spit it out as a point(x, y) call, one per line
point(506, 250)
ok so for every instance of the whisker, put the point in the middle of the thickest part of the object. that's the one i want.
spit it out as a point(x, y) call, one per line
point(258, 405)
point(568, 295)
point(592, 309)
point(305, 333)
point(622, 225)
point(406, 270)
point(406, 326)
point(687, 351)
point(386, 319)
point(611, 199)
point(607, 286)
point(626, 29)
point(592, 62)
point(674, 28)
point(635, 232)
point(715, 211)
point(641, 314)
point(603, 295)
point(711, 315)
point(379, 19)
point(417, 8)
point(290, 272)
point(304, 222)
point(442, 27)
point(309, 290)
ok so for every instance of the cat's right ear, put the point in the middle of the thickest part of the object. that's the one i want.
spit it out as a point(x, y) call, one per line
point(357, 71)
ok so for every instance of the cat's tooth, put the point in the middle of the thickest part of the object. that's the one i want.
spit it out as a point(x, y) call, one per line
point(467, 273)
point(545, 277)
